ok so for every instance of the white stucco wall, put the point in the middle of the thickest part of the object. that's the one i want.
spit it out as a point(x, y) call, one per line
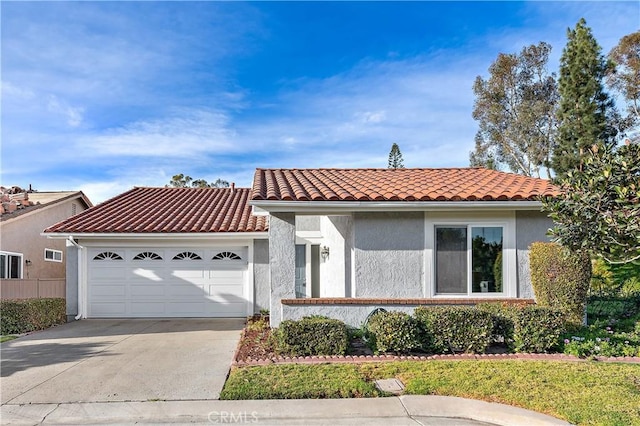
point(260, 275)
point(389, 254)
point(282, 254)
point(335, 271)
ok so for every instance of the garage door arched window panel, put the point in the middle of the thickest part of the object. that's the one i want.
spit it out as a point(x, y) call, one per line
point(187, 255)
point(108, 255)
point(147, 255)
point(226, 255)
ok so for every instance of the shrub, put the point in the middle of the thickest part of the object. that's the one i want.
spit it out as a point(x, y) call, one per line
point(605, 308)
point(456, 329)
point(503, 316)
point(560, 279)
point(314, 335)
point(537, 329)
point(610, 337)
point(393, 332)
point(24, 315)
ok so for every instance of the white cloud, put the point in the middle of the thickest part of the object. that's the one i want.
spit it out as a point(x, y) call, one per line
point(73, 115)
point(184, 134)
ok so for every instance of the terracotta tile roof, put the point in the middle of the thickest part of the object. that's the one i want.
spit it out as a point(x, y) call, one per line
point(168, 210)
point(455, 184)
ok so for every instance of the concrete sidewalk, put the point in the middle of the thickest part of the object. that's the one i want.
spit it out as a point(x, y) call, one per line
point(403, 410)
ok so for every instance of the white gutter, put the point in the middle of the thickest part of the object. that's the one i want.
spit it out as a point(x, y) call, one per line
point(80, 278)
point(263, 207)
point(160, 235)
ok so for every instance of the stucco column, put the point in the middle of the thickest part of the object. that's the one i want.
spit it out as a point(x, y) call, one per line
point(71, 281)
point(282, 262)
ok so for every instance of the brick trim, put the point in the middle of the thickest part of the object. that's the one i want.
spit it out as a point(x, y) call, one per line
point(358, 359)
point(398, 301)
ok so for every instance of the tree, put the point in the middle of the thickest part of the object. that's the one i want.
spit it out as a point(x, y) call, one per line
point(598, 210)
point(624, 78)
point(395, 158)
point(180, 181)
point(515, 109)
point(219, 183)
point(585, 111)
point(183, 181)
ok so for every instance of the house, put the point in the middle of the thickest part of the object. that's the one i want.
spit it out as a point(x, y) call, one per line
point(28, 259)
point(337, 242)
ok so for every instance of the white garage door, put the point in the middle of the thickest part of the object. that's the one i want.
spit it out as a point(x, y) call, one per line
point(177, 282)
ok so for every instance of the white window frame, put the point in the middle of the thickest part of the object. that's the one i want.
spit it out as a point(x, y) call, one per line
point(505, 220)
point(6, 263)
point(53, 252)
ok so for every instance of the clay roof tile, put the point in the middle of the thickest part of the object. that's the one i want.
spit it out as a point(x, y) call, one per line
point(454, 184)
point(169, 210)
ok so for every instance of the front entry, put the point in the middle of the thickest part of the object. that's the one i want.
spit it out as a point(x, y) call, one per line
point(301, 270)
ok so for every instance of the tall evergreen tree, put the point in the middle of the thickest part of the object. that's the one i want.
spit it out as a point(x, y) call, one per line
point(585, 108)
point(395, 158)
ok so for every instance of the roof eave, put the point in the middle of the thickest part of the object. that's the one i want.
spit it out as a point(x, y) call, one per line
point(158, 235)
point(264, 207)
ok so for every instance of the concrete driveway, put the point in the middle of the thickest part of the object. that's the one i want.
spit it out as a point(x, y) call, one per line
point(120, 360)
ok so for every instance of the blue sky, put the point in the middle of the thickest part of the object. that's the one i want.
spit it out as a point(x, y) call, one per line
point(104, 96)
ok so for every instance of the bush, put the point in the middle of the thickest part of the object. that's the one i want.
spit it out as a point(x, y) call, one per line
point(613, 280)
point(314, 335)
point(560, 279)
point(537, 329)
point(606, 337)
point(393, 332)
point(456, 329)
point(503, 316)
point(24, 315)
point(619, 308)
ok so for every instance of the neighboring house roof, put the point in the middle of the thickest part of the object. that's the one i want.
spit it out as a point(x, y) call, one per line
point(450, 184)
point(168, 210)
point(30, 201)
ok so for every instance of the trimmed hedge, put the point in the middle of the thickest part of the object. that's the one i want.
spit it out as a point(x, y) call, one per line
point(456, 328)
point(613, 307)
point(560, 279)
point(503, 316)
point(314, 335)
point(538, 329)
point(394, 332)
point(24, 315)
point(526, 328)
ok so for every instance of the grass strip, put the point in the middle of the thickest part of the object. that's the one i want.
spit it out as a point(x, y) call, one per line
point(584, 393)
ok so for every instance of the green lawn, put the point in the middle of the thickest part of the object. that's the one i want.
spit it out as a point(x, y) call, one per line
point(586, 393)
point(7, 338)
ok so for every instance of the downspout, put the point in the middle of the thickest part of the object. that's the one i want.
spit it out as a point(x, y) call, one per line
point(80, 277)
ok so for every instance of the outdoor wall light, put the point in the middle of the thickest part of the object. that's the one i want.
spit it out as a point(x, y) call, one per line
point(28, 262)
point(324, 252)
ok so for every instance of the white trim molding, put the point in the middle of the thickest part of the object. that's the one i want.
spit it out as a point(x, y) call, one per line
point(504, 219)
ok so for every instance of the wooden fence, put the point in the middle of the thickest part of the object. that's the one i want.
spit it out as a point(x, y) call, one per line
point(32, 288)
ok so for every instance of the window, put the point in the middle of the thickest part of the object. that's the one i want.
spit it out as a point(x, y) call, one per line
point(187, 255)
point(226, 255)
point(10, 265)
point(147, 255)
point(468, 259)
point(52, 255)
point(108, 255)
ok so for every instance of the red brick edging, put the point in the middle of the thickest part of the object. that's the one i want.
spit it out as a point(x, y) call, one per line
point(399, 301)
point(342, 359)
